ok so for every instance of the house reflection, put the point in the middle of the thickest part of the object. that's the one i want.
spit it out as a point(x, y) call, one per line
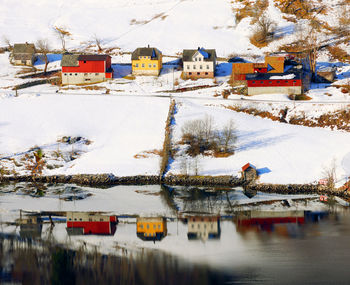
point(30, 227)
point(203, 227)
point(281, 222)
point(151, 228)
point(86, 223)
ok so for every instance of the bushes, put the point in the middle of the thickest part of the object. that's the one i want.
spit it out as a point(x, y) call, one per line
point(201, 137)
point(263, 32)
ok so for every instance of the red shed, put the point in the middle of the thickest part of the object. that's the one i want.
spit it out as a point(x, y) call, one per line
point(83, 69)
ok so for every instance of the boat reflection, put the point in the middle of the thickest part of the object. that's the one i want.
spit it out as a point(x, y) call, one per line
point(86, 223)
point(203, 227)
point(151, 228)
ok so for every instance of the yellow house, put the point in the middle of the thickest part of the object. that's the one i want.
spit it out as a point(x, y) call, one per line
point(151, 228)
point(146, 61)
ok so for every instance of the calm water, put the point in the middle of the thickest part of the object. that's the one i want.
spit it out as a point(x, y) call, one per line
point(253, 238)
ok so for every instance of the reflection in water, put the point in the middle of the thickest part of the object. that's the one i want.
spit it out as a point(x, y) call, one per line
point(151, 229)
point(30, 227)
point(85, 223)
point(203, 227)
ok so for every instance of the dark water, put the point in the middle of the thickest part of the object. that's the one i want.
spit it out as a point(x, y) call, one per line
point(217, 235)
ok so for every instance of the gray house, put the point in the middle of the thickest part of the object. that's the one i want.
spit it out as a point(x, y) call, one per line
point(23, 54)
point(199, 63)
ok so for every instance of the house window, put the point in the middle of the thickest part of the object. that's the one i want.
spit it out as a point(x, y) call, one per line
point(253, 82)
point(65, 74)
point(206, 73)
point(188, 67)
point(194, 67)
point(143, 65)
point(198, 73)
point(154, 65)
point(261, 82)
point(136, 65)
point(158, 227)
point(84, 61)
point(278, 82)
point(199, 59)
point(270, 82)
point(76, 74)
point(200, 67)
point(150, 65)
point(141, 226)
point(85, 74)
point(286, 81)
point(96, 74)
point(208, 66)
point(147, 226)
point(70, 73)
point(80, 219)
point(195, 59)
point(190, 73)
point(294, 81)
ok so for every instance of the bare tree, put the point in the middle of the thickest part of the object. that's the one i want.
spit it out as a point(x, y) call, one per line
point(229, 136)
point(264, 30)
point(7, 42)
point(330, 174)
point(98, 42)
point(43, 48)
point(62, 34)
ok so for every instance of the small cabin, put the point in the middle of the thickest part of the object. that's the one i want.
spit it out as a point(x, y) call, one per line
point(152, 228)
point(249, 172)
point(23, 54)
point(85, 223)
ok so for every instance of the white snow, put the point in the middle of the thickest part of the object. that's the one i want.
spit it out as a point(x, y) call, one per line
point(289, 153)
point(119, 127)
point(283, 77)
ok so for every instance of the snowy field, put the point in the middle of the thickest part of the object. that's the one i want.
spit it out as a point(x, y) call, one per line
point(284, 153)
point(118, 127)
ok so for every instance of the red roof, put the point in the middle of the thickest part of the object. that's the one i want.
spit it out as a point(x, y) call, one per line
point(246, 166)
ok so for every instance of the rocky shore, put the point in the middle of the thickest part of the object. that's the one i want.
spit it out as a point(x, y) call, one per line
point(108, 180)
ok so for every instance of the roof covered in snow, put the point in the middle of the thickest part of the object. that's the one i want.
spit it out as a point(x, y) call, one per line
point(273, 76)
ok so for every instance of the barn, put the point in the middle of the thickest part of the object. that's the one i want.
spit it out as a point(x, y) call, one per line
point(85, 69)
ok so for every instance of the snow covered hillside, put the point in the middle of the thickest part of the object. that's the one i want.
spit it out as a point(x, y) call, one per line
point(281, 152)
point(170, 25)
point(119, 128)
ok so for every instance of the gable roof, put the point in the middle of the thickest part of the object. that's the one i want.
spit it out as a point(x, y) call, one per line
point(24, 48)
point(246, 166)
point(70, 60)
point(154, 53)
point(73, 59)
point(208, 54)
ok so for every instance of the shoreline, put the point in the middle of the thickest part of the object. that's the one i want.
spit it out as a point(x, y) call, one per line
point(109, 180)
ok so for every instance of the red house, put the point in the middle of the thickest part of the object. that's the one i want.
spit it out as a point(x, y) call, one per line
point(84, 223)
point(85, 69)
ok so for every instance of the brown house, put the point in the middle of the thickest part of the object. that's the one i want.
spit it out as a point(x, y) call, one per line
point(23, 54)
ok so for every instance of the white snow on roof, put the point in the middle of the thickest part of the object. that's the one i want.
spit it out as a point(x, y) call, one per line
point(288, 76)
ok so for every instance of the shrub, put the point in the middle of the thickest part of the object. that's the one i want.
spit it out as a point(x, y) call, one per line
point(201, 137)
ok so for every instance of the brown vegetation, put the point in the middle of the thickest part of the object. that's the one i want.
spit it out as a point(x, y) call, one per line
point(201, 137)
